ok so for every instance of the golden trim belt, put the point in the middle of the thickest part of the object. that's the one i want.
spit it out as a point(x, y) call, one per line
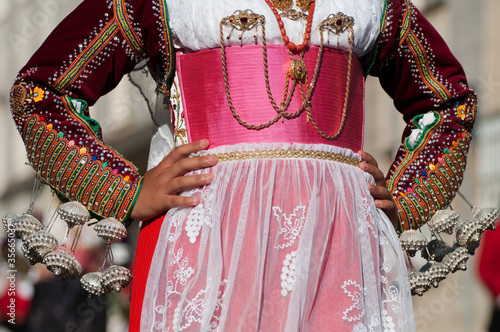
point(282, 153)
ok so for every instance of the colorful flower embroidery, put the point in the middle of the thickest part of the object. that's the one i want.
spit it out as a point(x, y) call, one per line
point(461, 111)
point(38, 94)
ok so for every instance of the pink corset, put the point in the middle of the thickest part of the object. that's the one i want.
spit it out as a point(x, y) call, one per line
point(207, 112)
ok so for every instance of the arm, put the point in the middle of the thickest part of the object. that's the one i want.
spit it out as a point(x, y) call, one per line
point(428, 85)
point(85, 57)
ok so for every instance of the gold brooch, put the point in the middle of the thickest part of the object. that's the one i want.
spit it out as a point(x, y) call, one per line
point(18, 97)
point(337, 23)
point(243, 20)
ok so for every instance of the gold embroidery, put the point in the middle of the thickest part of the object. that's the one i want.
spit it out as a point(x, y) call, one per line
point(18, 97)
point(282, 153)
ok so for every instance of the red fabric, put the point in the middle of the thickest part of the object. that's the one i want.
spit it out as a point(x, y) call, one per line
point(148, 236)
point(489, 263)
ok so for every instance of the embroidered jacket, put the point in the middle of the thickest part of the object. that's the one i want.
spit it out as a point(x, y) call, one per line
point(93, 48)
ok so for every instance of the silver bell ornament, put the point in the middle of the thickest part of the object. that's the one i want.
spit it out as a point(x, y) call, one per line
point(436, 272)
point(91, 282)
point(419, 283)
point(444, 221)
point(8, 219)
point(37, 245)
point(63, 264)
point(412, 241)
point(111, 230)
point(115, 278)
point(73, 213)
point(456, 259)
point(435, 250)
point(487, 217)
point(469, 235)
point(23, 225)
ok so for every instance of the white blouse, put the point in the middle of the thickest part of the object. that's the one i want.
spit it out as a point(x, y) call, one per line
point(195, 23)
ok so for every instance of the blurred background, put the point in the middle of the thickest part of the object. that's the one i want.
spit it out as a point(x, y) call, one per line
point(461, 303)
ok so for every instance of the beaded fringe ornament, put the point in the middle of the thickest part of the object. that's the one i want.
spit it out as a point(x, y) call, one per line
point(443, 259)
point(41, 246)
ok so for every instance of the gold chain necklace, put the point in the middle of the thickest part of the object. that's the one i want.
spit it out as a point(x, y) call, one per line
point(247, 20)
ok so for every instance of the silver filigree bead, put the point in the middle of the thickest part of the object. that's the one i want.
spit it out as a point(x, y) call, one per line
point(37, 245)
point(436, 272)
point(63, 264)
point(8, 219)
point(115, 278)
point(419, 283)
point(444, 221)
point(73, 213)
point(487, 217)
point(23, 225)
point(412, 241)
point(469, 235)
point(456, 259)
point(91, 282)
point(111, 230)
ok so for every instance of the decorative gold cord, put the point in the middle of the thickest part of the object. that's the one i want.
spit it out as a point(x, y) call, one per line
point(346, 94)
point(337, 24)
point(284, 153)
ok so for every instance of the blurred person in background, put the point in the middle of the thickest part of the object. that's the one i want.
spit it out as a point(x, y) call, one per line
point(489, 269)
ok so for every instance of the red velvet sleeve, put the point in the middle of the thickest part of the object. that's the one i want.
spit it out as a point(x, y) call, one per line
point(428, 85)
point(84, 58)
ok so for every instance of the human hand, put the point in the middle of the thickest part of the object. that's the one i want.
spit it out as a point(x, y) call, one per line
point(382, 195)
point(161, 184)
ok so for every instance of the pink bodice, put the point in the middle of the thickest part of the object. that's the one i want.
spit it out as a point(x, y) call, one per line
point(208, 115)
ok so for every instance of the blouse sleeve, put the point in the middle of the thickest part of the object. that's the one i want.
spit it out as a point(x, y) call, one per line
point(428, 85)
point(84, 58)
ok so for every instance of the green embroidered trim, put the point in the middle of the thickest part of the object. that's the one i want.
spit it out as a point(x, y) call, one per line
point(90, 124)
point(170, 66)
point(134, 200)
point(412, 153)
point(423, 66)
point(436, 189)
point(408, 35)
point(383, 23)
point(88, 54)
point(425, 131)
point(70, 172)
point(127, 28)
point(405, 26)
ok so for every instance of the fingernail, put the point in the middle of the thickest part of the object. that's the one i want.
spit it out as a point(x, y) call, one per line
point(370, 186)
point(210, 160)
point(195, 200)
point(204, 143)
point(208, 178)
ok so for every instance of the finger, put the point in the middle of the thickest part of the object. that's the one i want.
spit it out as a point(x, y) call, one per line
point(186, 165)
point(184, 151)
point(189, 181)
point(365, 156)
point(385, 204)
point(173, 201)
point(377, 174)
point(379, 192)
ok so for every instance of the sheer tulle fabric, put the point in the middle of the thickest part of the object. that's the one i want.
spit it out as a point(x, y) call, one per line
point(279, 245)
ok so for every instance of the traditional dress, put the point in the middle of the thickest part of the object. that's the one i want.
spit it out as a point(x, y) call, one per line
point(287, 236)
